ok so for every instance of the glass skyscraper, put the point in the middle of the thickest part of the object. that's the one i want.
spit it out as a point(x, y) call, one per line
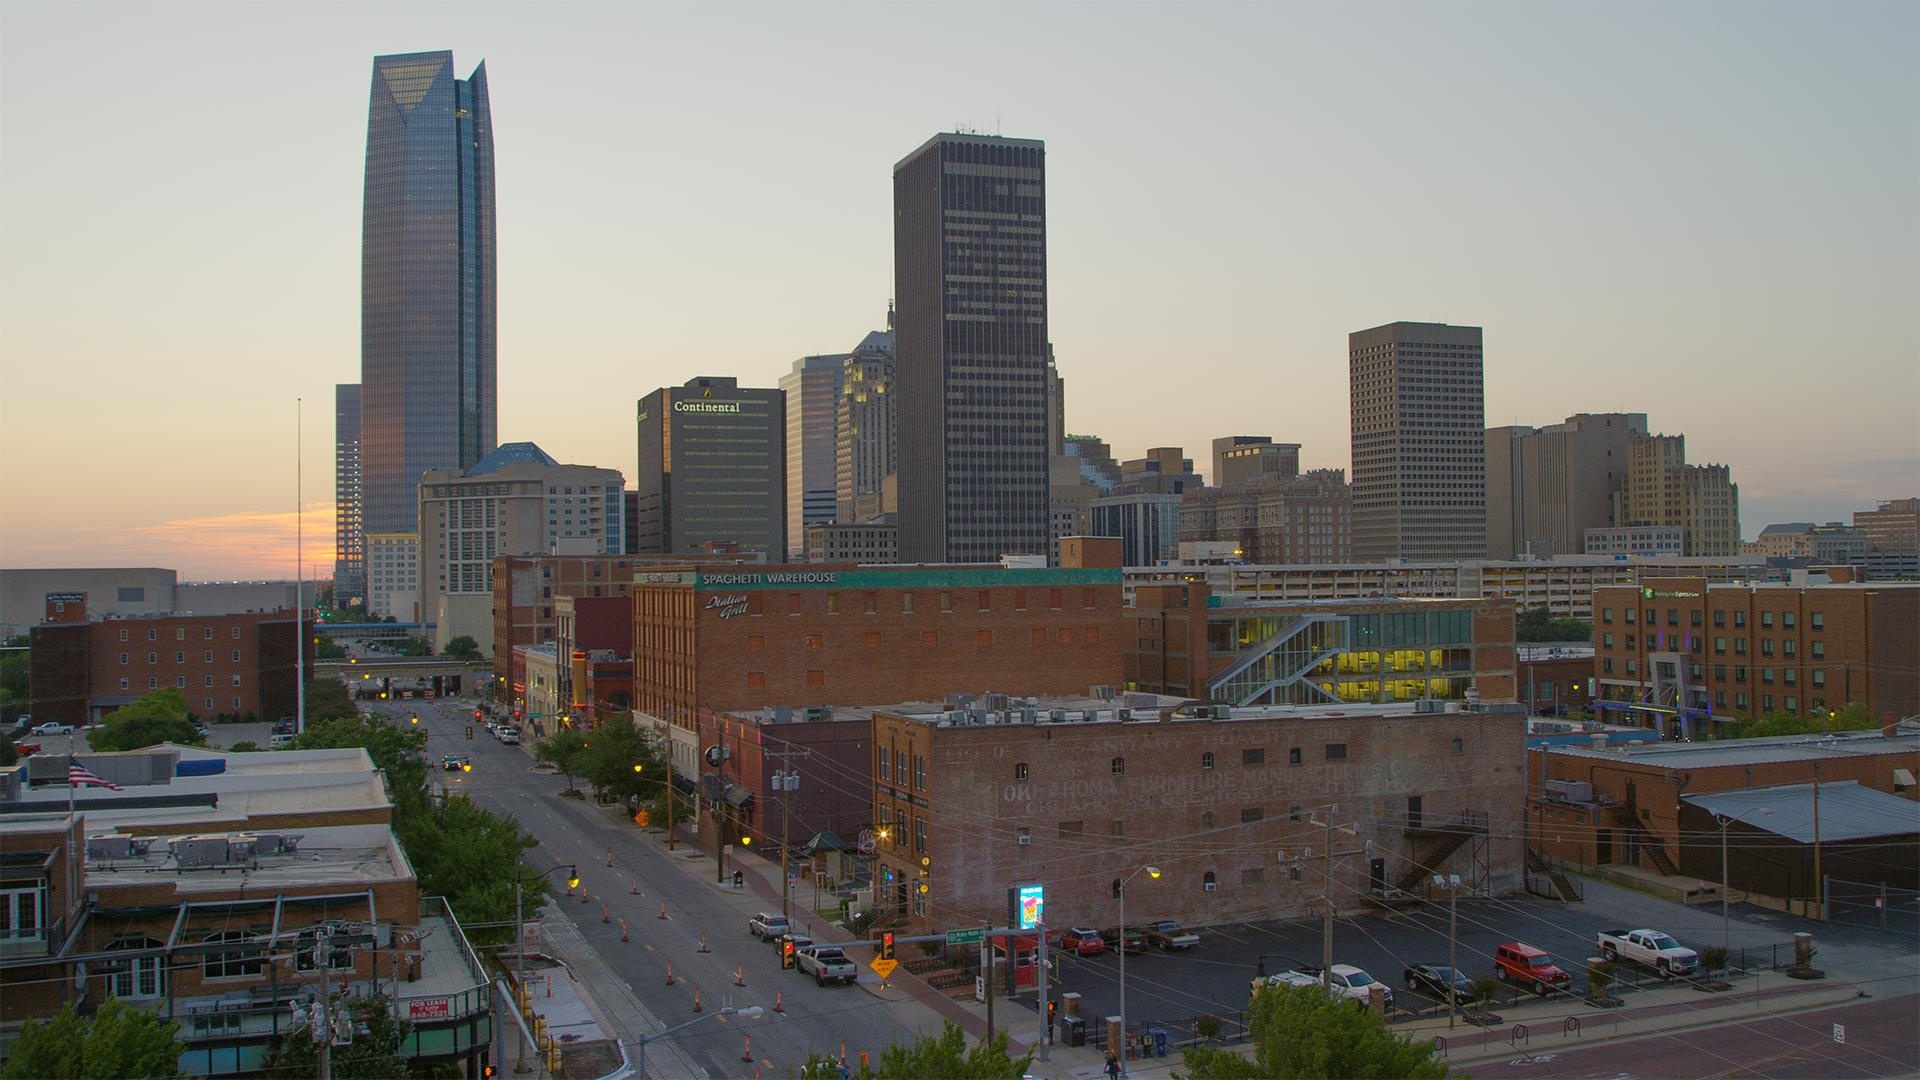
point(427, 307)
point(970, 270)
point(349, 538)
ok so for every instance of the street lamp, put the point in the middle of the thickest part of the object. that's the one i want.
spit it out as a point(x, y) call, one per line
point(640, 1045)
point(1451, 883)
point(1152, 872)
point(520, 945)
point(1723, 821)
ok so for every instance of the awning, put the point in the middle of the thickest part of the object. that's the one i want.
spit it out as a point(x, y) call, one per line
point(738, 795)
point(1903, 777)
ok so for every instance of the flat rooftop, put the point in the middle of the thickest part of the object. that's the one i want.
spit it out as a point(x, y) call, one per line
point(245, 784)
point(1845, 811)
point(1739, 752)
point(328, 855)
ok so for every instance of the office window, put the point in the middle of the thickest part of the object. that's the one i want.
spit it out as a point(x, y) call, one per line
point(1456, 748)
point(1819, 649)
point(179, 657)
point(123, 658)
point(906, 603)
point(207, 657)
point(946, 600)
point(1720, 645)
point(1632, 642)
point(1739, 620)
point(1606, 641)
point(1119, 766)
point(179, 633)
point(1206, 760)
point(1820, 677)
point(886, 764)
point(1606, 615)
point(123, 635)
point(919, 772)
point(1719, 618)
point(123, 682)
point(1787, 620)
point(920, 835)
point(1293, 755)
point(1719, 699)
point(1020, 770)
point(1071, 828)
point(1630, 616)
point(1337, 751)
point(1815, 620)
point(207, 633)
point(152, 634)
point(1117, 827)
point(1206, 820)
point(1251, 814)
point(1739, 699)
point(1293, 814)
point(207, 681)
point(179, 682)
point(1766, 646)
point(1789, 675)
point(1766, 620)
point(1793, 703)
point(152, 683)
point(236, 681)
point(833, 603)
point(1255, 756)
point(1693, 617)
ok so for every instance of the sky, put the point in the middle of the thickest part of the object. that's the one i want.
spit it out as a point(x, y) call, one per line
point(1709, 213)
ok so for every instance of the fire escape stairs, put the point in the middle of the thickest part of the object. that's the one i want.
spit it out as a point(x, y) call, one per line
point(1654, 847)
point(1452, 836)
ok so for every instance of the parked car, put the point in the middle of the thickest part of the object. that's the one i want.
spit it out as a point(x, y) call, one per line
point(282, 740)
point(1171, 935)
point(53, 727)
point(1516, 961)
point(26, 749)
point(509, 737)
point(1135, 940)
point(826, 963)
point(283, 726)
point(767, 926)
point(1083, 940)
point(1435, 980)
point(1650, 947)
point(1345, 982)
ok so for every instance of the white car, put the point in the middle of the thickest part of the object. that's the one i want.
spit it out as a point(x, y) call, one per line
point(509, 737)
point(54, 727)
point(1650, 947)
point(1346, 981)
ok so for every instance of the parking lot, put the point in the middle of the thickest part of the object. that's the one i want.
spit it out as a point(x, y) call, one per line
point(1215, 977)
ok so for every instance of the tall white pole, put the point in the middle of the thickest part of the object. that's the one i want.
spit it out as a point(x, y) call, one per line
point(299, 578)
point(1123, 977)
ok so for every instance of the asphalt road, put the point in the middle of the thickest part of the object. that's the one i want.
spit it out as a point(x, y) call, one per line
point(815, 1019)
point(1881, 1040)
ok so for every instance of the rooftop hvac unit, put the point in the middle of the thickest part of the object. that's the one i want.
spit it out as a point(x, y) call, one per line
point(782, 714)
point(192, 851)
point(1429, 705)
point(1101, 692)
point(1029, 714)
point(996, 701)
point(1223, 712)
point(959, 701)
point(1088, 716)
point(1123, 715)
point(1057, 715)
point(109, 847)
point(979, 715)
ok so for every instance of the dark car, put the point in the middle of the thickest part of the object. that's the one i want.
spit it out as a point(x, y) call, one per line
point(456, 763)
point(1135, 939)
point(1434, 979)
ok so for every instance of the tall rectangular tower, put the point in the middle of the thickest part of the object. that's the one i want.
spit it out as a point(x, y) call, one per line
point(427, 363)
point(712, 469)
point(970, 271)
point(813, 398)
point(1419, 444)
point(865, 432)
point(349, 539)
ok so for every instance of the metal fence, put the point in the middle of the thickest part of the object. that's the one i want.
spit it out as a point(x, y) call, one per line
point(1872, 904)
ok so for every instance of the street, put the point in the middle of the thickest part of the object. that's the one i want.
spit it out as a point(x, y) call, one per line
point(814, 1019)
point(1880, 1041)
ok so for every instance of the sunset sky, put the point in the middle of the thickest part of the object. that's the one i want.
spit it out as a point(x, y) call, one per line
point(1706, 212)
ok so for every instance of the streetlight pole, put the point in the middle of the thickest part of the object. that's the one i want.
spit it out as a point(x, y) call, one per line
point(1451, 883)
point(520, 949)
point(1154, 872)
point(1723, 821)
point(640, 1046)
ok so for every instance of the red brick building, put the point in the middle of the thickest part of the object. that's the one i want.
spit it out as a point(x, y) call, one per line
point(733, 640)
point(240, 665)
point(1678, 654)
point(1553, 680)
point(1233, 808)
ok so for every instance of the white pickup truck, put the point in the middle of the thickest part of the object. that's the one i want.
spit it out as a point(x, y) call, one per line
point(1650, 947)
point(826, 963)
point(1345, 981)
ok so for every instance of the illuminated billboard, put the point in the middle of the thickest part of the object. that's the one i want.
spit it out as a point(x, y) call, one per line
point(1029, 904)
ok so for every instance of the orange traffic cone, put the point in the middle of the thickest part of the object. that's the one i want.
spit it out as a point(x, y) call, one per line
point(696, 999)
point(605, 916)
point(703, 944)
point(776, 1002)
point(669, 974)
point(623, 930)
point(609, 856)
point(663, 909)
point(584, 898)
point(635, 890)
point(740, 975)
point(746, 1052)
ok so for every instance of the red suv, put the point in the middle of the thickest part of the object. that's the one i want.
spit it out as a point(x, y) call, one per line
point(1522, 963)
point(1083, 941)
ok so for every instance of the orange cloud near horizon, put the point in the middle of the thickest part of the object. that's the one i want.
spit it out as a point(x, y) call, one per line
point(246, 545)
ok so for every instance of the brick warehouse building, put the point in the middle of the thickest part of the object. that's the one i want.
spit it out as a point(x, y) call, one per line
point(1190, 641)
point(734, 640)
point(1680, 653)
point(242, 664)
point(1073, 794)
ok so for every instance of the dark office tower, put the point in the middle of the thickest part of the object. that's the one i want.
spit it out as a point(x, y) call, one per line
point(427, 384)
point(349, 539)
point(712, 469)
point(970, 273)
point(1419, 444)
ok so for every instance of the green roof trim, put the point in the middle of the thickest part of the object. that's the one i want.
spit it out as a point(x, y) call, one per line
point(983, 578)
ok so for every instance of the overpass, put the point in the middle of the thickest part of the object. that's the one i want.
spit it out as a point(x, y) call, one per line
point(407, 674)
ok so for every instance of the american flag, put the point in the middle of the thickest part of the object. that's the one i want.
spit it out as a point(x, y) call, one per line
point(79, 775)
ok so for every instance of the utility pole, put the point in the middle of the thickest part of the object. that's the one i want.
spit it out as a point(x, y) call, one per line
point(786, 781)
point(1819, 883)
point(669, 788)
point(1326, 910)
point(1046, 1029)
point(323, 1011)
point(986, 978)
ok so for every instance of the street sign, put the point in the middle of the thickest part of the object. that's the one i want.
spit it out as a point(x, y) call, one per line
point(1840, 1034)
point(972, 935)
point(883, 967)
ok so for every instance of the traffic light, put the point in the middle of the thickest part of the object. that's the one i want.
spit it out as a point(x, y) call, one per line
point(1053, 1009)
point(469, 732)
point(477, 714)
point(886, 945)
point(786, 954)
point(488, 1073)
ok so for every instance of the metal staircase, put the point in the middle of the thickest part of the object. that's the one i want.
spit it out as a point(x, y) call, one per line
point(1448, 835)
point(1654, 847)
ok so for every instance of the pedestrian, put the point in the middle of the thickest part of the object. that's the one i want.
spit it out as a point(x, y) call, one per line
point(1113, 1066)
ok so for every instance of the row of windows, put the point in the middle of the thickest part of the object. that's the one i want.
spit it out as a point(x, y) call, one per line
point(181, 657)
point(180, 633)
point(1089, 598)
point(1037, 636)
point(1254, 756)
point(1788, 620)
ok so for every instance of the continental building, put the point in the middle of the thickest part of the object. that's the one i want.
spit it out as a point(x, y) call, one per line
point(1563, 586)
point(1547, 487)
point(200, 890)
point(970, 267)
point(734, 639)
point(515, 501)
point(349, 564)
point(1419, 446)
point(1256, 457)
point(1232, 805)
point(813, 400)
point(224, 665)
point(1191, 642)
point(429, 390)
point(1682, 654)
point(712, 469)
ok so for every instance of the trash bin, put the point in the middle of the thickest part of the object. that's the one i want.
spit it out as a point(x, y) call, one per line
point(1073, 1030)
point(1159, 1041)
point(738, 879)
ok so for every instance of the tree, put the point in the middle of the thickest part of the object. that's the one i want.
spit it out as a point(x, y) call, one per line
point(374, 1053)
point(565, 750)
point(1851, 717)
point(608, 759)
point(328, 698)
point(245, 746)
point(1539, 624)
point(328, 649)
point(159, 717)
point(414, 646)
point(1299, 1031)
point(463, 647)
point(16, 678)
point(943, 1055)
point(121, 1040)
point(472, 858)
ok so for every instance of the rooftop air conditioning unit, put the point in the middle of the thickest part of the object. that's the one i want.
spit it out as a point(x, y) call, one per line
point(1024, 840)
point(1029, 714)
point(996, 701)
point(1203, 712)
point(1208, 886)
point(1057, 715)
point(1123, 715)
point(1222, 712)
